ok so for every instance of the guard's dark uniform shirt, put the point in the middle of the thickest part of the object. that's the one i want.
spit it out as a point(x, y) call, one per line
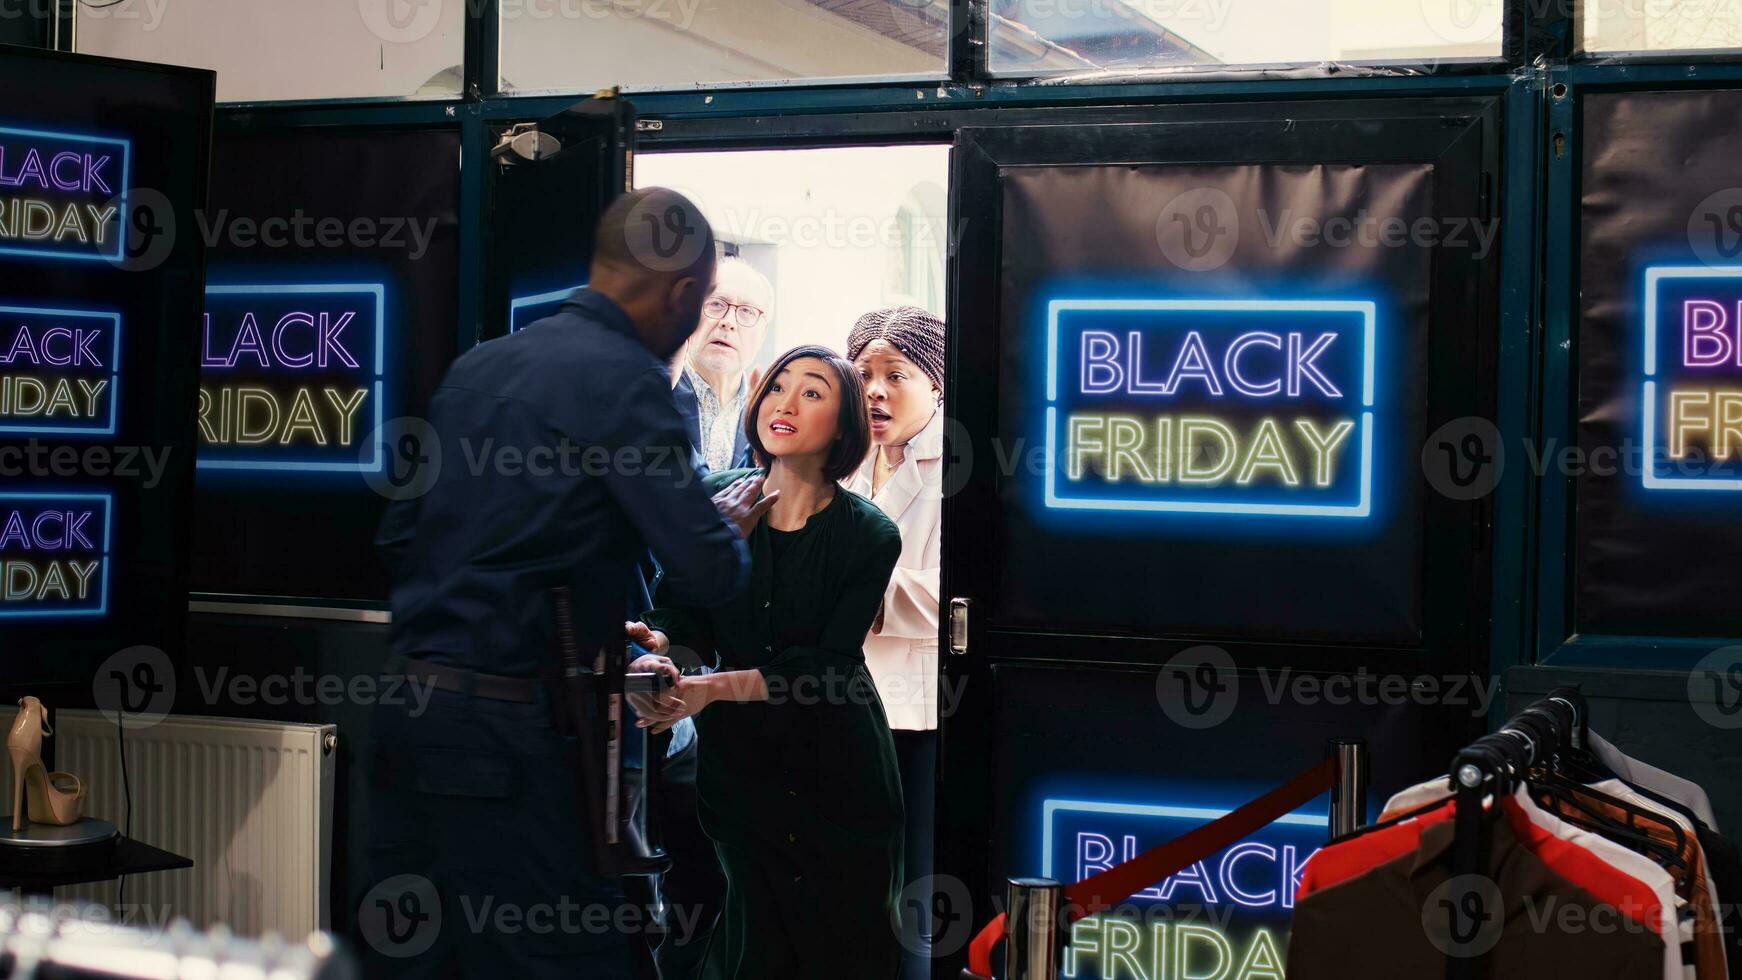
point(562, 457)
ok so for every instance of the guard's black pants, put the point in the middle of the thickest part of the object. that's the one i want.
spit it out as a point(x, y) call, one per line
point(479, 850)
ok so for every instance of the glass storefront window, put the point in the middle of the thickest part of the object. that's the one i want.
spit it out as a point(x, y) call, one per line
point(1642, 26)
point(583, 45)
point(1063, 37)
point(311, 49)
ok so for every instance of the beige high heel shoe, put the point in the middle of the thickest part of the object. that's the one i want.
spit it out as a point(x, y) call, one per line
point(53, 797)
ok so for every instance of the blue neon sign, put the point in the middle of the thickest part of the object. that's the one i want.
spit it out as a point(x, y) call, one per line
point(293, 378)
point(1211, 406)
point(60, 371)
point(1691, 394)
point(526, 310)
point(63, 195)
point(1222, 918)
point(54, 555)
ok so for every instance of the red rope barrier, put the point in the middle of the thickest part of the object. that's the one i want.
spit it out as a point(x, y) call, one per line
point(1102, 891)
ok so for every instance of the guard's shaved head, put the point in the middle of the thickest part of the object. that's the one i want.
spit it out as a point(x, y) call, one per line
point(654, 255)
point(654, 231)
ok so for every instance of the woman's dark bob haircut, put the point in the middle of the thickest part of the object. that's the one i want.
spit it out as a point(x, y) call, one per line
point(853, 438)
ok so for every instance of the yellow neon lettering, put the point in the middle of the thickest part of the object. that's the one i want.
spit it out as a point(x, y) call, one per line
point(1190, 450)
point(1683, 419)
point(1324, 446)
point(1267, 451)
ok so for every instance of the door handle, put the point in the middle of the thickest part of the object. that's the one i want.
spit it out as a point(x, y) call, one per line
point(958, 625)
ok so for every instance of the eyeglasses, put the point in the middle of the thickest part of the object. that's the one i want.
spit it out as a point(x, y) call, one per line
point(746, 316)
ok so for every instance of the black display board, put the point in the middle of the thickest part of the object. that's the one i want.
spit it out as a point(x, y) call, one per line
point(1140, 769)
point(1227, 367)
point(332, 310)
point(102, 164)
point(1659, 387)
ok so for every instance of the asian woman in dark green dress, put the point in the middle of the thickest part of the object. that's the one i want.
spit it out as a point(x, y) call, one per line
point(797, 776)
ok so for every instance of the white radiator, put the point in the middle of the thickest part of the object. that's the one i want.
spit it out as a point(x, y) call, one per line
point(250, 802)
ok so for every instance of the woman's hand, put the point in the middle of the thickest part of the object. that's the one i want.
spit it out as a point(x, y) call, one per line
point(656, 706)
point(687, 700)
point(648, 638)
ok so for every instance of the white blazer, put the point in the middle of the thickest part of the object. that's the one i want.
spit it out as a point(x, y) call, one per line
point(902, 650)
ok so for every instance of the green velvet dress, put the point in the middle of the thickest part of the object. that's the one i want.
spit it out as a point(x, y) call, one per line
point(801, 794)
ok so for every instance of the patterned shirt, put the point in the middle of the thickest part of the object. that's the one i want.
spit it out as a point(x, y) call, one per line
point(718, 420)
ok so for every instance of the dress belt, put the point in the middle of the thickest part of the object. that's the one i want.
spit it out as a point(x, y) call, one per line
point(493, 687)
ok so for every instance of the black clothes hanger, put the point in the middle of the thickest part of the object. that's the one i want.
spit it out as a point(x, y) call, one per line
point(1569, 802)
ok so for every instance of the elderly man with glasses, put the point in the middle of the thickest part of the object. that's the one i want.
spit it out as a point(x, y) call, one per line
point(710, 383)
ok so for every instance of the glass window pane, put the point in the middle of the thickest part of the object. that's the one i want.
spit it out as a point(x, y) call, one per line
point(1624, 26)
point(309, 49)
point(1055, 37)
point(582, 45)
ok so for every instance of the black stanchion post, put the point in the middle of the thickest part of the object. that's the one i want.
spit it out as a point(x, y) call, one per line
point(1034, 924)
point(1349, 795)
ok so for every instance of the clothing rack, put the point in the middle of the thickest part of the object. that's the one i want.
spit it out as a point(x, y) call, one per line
point(1494, 765)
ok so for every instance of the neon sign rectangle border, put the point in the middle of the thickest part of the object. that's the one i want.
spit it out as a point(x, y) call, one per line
point(1362, 508)
point(537, 299)
point(1648, 394)
point(319, 289)
point(114, 378)
point(121, 205)
point(102, 609)
point(1052, 808)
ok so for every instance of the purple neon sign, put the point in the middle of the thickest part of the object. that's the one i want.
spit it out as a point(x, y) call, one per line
point(54, 554)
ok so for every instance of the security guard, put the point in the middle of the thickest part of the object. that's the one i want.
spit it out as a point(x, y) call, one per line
point(562, 459)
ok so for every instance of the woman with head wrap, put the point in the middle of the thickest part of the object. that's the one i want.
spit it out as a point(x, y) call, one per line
point(900, 356)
